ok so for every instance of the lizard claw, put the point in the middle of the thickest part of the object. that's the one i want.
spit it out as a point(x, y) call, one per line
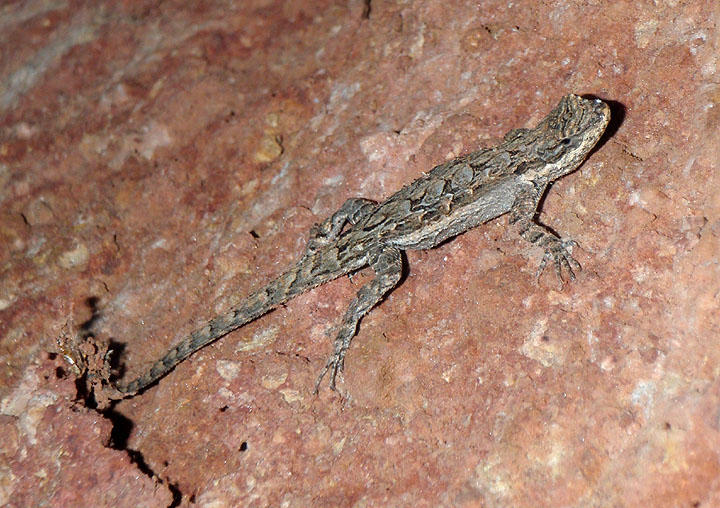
point(335, 365)
point(560, 252)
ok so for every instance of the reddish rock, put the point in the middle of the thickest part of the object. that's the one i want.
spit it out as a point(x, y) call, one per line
point(56, 451)
point(162, 160)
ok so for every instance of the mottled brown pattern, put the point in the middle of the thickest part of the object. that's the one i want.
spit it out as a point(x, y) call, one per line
point(447, 201)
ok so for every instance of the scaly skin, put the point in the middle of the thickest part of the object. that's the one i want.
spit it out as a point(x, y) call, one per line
point(452, 198)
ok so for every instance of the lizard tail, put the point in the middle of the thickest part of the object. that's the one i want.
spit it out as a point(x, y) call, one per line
point(277, 292)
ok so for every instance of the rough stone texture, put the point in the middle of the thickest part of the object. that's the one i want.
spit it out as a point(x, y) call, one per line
point(166, 159)
point(54, 449)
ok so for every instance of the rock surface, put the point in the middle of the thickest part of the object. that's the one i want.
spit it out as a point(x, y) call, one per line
point(159, 161)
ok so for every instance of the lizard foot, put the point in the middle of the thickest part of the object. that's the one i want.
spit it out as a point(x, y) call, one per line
point(560, 252)
point(335, 366)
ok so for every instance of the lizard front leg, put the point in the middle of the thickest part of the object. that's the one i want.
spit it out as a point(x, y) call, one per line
point(351, 212)
point(523, 213)
point(388, 269)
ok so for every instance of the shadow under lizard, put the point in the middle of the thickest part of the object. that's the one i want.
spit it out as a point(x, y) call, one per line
point(452, 198)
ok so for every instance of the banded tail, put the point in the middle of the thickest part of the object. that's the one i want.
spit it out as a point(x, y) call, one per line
point(297, 280)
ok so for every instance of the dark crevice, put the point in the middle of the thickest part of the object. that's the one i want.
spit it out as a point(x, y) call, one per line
point(86, 327)
point(122, 426)
point(367, 8)
point(121, 430)
point(176, 494)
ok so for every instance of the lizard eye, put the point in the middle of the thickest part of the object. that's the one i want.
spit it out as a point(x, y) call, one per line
point(552, 153)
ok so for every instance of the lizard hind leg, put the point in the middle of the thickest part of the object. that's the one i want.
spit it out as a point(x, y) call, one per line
point(388, 270)
point(351, 212)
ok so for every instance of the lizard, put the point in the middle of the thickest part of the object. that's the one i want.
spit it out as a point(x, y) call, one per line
point(510, 178)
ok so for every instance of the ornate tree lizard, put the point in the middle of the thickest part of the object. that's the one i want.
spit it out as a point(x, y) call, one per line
point(452, 198)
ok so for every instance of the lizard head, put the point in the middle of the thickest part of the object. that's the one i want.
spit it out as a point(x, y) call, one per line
point(569, 132)
point(563, 138)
